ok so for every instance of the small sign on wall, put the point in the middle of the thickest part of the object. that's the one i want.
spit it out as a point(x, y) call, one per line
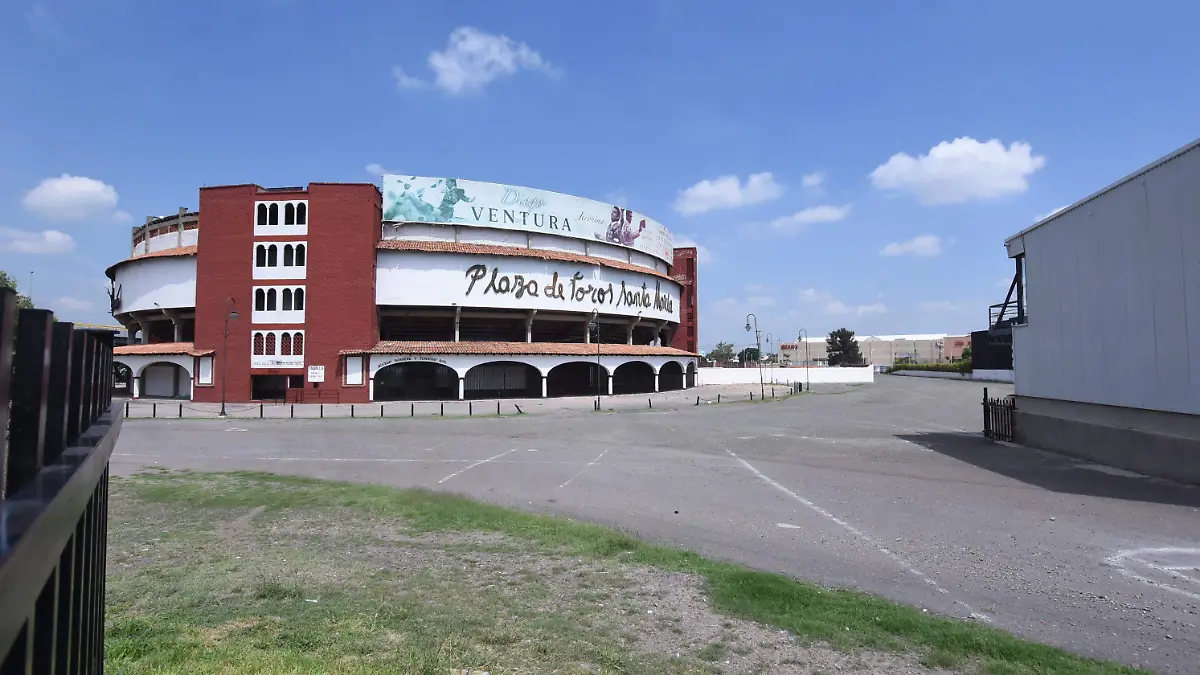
point(316, 373)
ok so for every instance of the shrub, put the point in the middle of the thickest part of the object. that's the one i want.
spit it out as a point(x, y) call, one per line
point(963, 366)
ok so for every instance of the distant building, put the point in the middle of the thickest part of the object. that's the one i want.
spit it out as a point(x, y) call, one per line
point(877, 350)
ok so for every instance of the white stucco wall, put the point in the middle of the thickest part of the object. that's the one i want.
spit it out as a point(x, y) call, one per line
point(157, 377)
point(441, 279)
point(168, 281)
point(785, 375)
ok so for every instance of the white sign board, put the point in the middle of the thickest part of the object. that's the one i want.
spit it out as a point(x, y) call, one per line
point(418, 199)
point(316, 373)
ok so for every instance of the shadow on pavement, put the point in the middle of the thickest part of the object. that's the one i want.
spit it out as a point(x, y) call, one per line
point(1058, 473)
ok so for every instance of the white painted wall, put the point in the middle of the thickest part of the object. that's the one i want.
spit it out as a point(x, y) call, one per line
point(461, 363)
point(440, 279)
point(707, 376)
point(976, 376)
point(565, 244)
point(144, 365)
point(1113, 296)
point(490, 237)
point(169, 281)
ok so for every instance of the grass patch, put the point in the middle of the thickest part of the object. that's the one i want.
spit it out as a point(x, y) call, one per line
point(269, 608)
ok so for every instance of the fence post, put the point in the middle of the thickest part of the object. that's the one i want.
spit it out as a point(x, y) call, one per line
point(154, 409)
point(292, 411)
point(772, 392)
point(30, 380)
point(497, 408)
point(127, 408)
point(322, 410)
point(412, 409)
point(470, 408)
point(380, 411)
point(443, 410)
point(351, 411)
point(260, 411)
point(180, 411)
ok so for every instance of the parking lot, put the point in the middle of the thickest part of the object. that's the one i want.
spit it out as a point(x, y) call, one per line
point(886, 488)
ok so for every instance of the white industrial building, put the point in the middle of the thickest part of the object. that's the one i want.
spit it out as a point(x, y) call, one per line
point(1106, 334)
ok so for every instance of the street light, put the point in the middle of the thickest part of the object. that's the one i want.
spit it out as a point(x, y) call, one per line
point(762, 388)
point(807, 364)
point(594, 322)
point(770, 362)
point(230, 314)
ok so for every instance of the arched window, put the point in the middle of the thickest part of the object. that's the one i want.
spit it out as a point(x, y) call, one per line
point(273, 214)
point(299, 255)
point(270, 344)
point(258, 344)
point(262, 214)
point(285, 344)
point(271, 300)
point(260, 300)
point(288, 255)
point(289, 214)
point(287, 299)
point(272, 256)
point(298, 302)
point(302, 214)
point(298, 344)
point(260, 256)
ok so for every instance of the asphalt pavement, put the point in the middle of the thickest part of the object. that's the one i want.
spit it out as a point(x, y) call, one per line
point(887, 488)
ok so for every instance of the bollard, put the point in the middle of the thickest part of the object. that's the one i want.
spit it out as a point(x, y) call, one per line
point(497, 408)
point(697, 400)
point(380, 411)
point(351, 411)
point(751, 396)
point(322, 411)
point(650, 402)
point(154, 410)
point(180, 411)
point(127, 408)
point(260, 411)
point(470, 408)
point(443, 410)
point(772, 392)
point(519, 411)
point(718, 398)
point(292, 411)
point(412, 409)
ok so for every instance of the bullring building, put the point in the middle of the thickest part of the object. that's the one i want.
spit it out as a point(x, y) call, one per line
point(433, 288)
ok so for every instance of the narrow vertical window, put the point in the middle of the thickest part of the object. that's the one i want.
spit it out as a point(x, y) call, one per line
point(298, 302)
point(260, 256)
point(260, 300)
point(273, 214)
point(270, 344)
point(300, 250)
point(289, 214)
point(302, 213)
point(288, 255)
point(298, 344)
point(262, 214)
point(287, 299)
point(258, 344)
point(272, 256)
point(271, 300)
point(285, 344)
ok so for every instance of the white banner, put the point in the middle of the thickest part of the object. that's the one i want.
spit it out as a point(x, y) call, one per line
point(418, 199)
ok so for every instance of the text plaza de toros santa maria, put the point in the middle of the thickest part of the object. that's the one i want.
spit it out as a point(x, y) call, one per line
point(433, 288)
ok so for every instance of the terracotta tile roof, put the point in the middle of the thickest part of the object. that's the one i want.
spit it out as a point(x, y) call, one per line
point(161, 349)
point(164, 253)
point(517, 349)
point(453, 247)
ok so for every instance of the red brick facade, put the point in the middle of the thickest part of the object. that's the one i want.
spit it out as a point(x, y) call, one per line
point(683, 270)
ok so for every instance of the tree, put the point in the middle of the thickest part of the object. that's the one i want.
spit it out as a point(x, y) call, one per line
point(842, 349)
point(749, 355)
point(723, 353)
point(966, 354)
point(6, 281)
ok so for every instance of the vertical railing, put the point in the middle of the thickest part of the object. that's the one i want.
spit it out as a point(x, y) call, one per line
point(998, 417)
point(56, 403)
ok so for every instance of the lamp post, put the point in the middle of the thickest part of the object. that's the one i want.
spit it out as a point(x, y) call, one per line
point(770, 363)
point(595, 323)
point(230, 314)
point(807, 364)
point(762, 388)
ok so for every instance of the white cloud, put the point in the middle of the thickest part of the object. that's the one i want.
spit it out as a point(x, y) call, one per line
point(472, 59)
point(727, 192)
point(377, 169)
point(704, 256)
point(71, 304)
point(938, 306)
point(813, 180)
point(833, 306)
point(923, 245)
point(47, 242)
point(960, 170)
point(406, 81)
point(122, 217)
point(825, 213)
point(71, 198)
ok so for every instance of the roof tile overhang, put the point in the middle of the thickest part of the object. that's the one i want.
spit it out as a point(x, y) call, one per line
point(162, 349)
point(165, 253)
point(516, 251)
point(518, 349)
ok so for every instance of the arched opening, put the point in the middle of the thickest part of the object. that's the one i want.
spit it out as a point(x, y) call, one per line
point(302, 214)
point(416, 381)
point(273, 214)
point(260, 300)
point(298, 299)
point(262, 214)
point(285, 344)
point(271, 300)
point(298, 344)
point(503, 379)
point(272, 255)
point(271, 345)
point(670, 376)
point(288, 255)
point(260, 256)
point(577, 378)
point(287, 299)
point(164, 380)
point(289, 214)
point(299, 255)
point(122, 379)
point(259, 342)
point(635, 377)
point(691, 374)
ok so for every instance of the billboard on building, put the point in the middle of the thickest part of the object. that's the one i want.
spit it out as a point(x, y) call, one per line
point(420, 199)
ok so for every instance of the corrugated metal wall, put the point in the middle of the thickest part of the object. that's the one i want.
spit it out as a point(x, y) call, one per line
point(1113, 293)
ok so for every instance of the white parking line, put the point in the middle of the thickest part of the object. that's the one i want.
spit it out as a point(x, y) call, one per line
point(585, 468)
point(860, 534)
point(472, 466)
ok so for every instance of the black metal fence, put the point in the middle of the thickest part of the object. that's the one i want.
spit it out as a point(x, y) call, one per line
point(56, 404)
point(998, 417)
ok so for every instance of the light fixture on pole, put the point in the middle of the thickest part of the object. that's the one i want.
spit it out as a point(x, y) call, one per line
point(762, 388)
point(807, 363)
point(230, 315)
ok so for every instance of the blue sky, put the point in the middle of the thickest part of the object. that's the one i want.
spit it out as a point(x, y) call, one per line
point(841, 164)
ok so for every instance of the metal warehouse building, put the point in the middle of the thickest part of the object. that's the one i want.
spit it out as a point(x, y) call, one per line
point(1106, 338)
